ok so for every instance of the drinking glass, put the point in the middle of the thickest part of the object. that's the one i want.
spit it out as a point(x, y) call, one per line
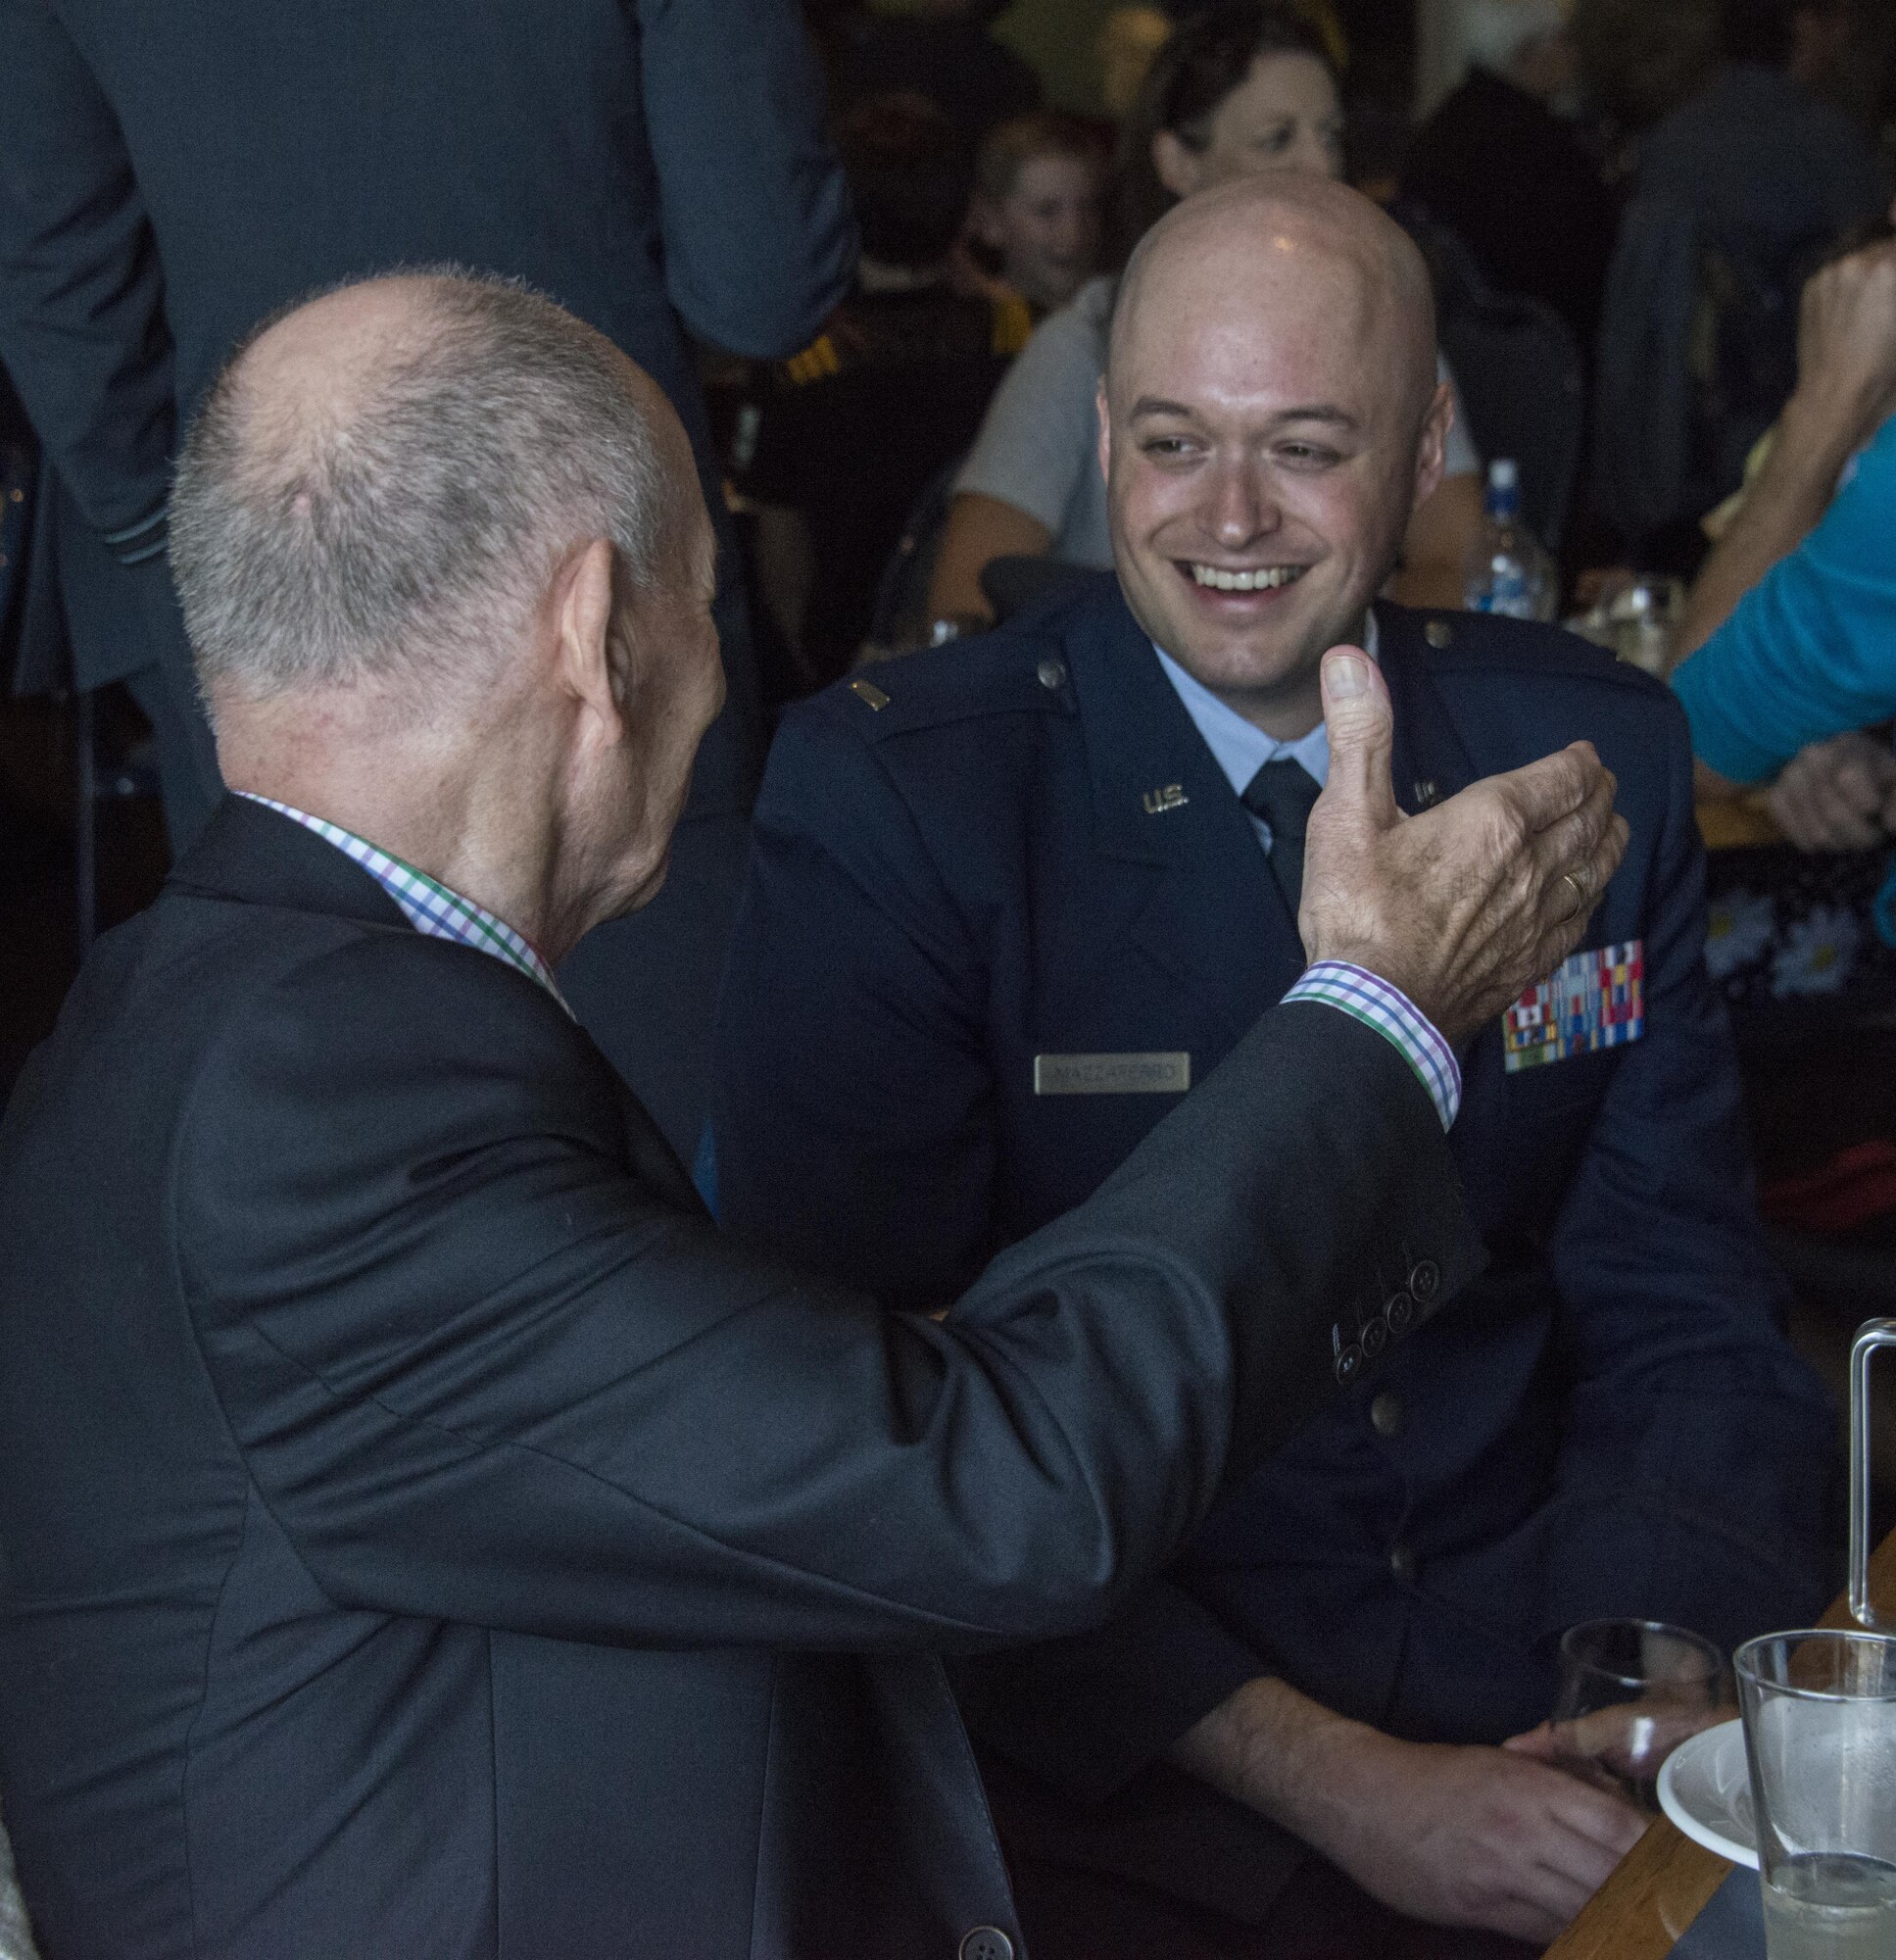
point(1630, 1692)
point(1643, 619)
point(1820, 1734)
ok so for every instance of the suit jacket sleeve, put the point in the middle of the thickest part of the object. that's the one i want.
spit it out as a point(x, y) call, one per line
point(1692, 1464)
point(759, 240)
point(480, 1370)
point(81, 296)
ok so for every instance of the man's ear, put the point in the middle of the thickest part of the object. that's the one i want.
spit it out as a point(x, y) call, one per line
point(1432, 451)
point(1105, 429)
point(583, 652)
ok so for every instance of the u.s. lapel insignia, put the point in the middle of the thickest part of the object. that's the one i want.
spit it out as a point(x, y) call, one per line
point(1592, 1000)
point(1157, 803)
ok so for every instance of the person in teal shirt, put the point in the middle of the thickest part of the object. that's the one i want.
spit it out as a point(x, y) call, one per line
point(1810, 651)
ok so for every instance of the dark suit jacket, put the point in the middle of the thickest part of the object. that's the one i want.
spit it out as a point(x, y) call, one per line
point(991, 868)
point(177, 172)
point(422, 1534)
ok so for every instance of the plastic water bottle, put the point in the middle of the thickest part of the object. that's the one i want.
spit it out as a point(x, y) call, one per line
point(1508, 571)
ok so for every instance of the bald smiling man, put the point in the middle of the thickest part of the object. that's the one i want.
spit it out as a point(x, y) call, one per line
point(1013, 901)
point(420, 1533)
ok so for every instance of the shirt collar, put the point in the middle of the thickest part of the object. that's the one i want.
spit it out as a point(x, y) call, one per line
point(1241, 748)
point(429, 905)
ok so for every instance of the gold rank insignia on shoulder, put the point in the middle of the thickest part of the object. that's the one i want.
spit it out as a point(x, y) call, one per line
point(1592, 999)
point(1154, 1074)
point(867, 690)
point(817, 362)
point(1155, 803)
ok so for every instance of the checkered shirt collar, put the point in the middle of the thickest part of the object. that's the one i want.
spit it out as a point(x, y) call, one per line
point(427, 903)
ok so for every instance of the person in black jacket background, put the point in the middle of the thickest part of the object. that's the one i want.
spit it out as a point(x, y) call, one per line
point(169, 175)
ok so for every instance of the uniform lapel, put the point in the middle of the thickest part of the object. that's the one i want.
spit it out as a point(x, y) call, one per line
point(1193, 894)
point(1428, 763)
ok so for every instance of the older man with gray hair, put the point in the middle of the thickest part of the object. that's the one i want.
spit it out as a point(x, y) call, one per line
point(422, 1532)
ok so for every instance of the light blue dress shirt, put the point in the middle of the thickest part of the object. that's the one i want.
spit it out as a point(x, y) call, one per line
point(1239, 747)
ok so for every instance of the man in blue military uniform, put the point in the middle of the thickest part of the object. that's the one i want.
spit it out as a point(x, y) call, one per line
point(1010, 899)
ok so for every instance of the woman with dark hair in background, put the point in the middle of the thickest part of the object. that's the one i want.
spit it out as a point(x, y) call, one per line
point(1248, 85)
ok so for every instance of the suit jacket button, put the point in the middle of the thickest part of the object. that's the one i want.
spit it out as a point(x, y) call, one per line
point(1402, 1562)
point(1053, 676)
point(1386, 1414)
point(1425, 1282)
point(987, 1942)
point(1398, 1310)
point(1375, 1337)
point(1349, 1363)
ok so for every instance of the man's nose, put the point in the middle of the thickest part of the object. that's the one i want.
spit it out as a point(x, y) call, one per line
point(1242, 506)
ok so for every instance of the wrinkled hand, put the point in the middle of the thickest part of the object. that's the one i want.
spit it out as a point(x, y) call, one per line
point(1469, 905)
point(1476, 1836)
point(1838, 795)
point(1846, 341)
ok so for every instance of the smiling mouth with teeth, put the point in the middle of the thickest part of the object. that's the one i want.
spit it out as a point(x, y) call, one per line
point(1266, 578)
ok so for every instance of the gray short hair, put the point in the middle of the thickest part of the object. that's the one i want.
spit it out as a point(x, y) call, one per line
point(406, 536)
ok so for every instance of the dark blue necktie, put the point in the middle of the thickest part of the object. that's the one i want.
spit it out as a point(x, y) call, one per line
point(1282, 795)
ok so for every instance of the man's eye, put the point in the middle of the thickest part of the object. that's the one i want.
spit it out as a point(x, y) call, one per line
point(1307, 455)
point(1272, 141)
point(1167, 448)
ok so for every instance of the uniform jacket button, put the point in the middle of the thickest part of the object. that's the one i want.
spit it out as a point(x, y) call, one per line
point(1398, 1310)
point(987, 1942)
point(1402, 1562)
point(1386, 1414)
point(1375, 1337)
point(1052, 674)
point(1349, 1363)
point(1426, 1281)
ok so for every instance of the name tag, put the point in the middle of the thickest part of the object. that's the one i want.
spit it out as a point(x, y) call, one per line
point(1111, 1074)
point(1592, 1000)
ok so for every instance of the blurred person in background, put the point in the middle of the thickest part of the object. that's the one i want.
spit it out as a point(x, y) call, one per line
point(1790, 628)
point(1038, 182)
point(833, 446)
point(1503, 163)
point(1736, 197)
point(167, 180)
point(1241, 87)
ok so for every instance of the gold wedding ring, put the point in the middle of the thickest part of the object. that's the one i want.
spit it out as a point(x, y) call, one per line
point(1580, 898)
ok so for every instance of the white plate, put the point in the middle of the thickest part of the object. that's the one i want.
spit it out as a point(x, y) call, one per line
point(1705, 1788)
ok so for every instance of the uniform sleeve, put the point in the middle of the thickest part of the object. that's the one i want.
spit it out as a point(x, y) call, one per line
point(760, 239)
point(849, 1063)
point(1695, 1439)
point(479, 1371)
point(1810, 651)
point(1041, 433)
point(82, 325)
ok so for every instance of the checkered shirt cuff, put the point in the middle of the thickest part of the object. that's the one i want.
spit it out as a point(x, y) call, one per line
point(1393, 1015)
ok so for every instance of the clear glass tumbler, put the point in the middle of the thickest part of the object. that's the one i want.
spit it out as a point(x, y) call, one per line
point(1630, 1692)
point(1820, 1733)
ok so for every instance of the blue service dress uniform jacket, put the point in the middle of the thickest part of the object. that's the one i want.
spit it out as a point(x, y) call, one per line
point(424, 1537)
point(1021, 846)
